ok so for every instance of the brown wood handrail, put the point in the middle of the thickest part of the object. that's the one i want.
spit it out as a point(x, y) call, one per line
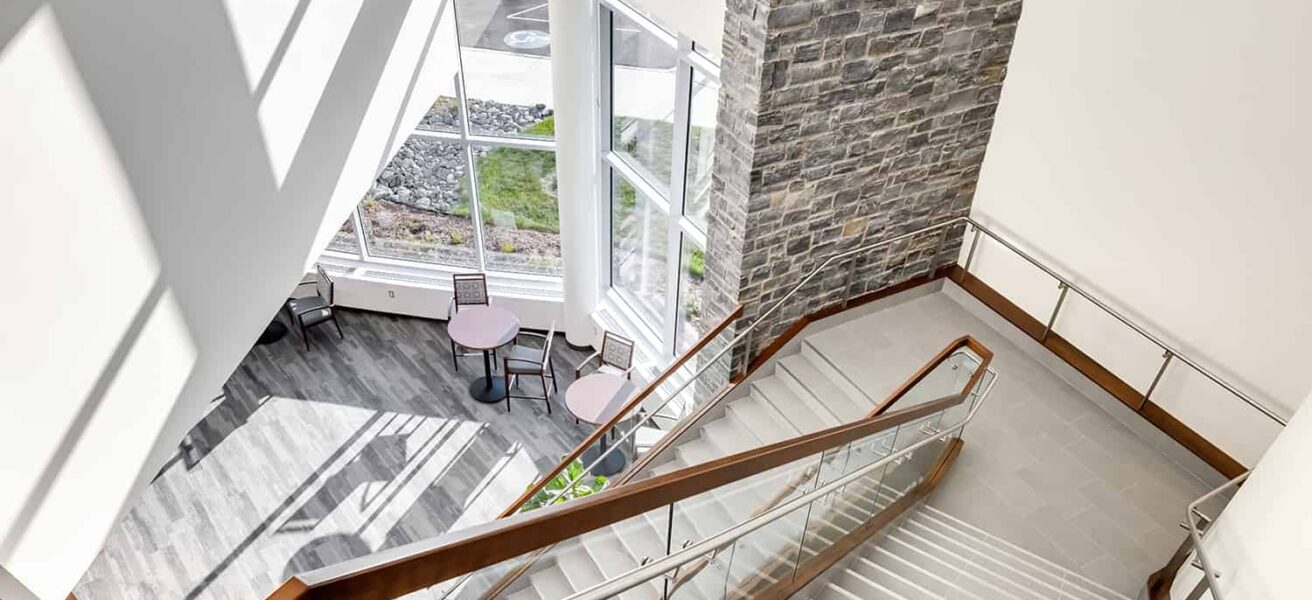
point(620, 415)
point(404, 569)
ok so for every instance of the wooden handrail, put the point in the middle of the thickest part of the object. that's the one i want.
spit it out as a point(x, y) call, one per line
point(965, 341)
point(620, 415)
point(404, 569)
point(629, 474)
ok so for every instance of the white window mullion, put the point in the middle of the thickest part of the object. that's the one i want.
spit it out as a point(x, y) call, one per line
point(475, 211)
point(357, 221)
point(678, 172)
point(605, 184)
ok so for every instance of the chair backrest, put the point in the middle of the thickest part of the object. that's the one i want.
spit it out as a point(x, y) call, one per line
point(323, 284)
point(616, 351)
point(470, 289)
point(546, 346)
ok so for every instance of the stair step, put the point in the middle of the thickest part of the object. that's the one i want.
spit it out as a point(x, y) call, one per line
point(730, 435)
point(911, 571)
point(807, 414)
point(972, 577)
point(577, 566)
point(890, 580)
point(991, 562)
point(762, 419)
point(807, 378)
point(811, 352)
point(1017, 555)
point(550, 583)
point(613, 560)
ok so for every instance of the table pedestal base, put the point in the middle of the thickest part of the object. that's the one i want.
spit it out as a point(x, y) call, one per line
point(611, 465)
point(488, 390)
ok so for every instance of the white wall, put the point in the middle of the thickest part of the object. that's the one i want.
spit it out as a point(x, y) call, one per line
point(1156, 152)
point(167, 168)
point(1263, 539)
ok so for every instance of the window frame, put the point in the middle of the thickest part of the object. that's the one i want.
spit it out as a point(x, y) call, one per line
point(467, 140)
point(671, 196)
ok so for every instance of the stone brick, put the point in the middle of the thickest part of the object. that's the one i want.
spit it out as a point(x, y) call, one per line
point(841, 123)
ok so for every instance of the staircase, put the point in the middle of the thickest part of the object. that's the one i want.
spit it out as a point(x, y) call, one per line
point(804, 394)
point(769, 553)
point(932, 555)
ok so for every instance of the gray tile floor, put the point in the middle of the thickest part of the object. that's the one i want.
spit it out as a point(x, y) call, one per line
point(357, 445)
point(1045, 466)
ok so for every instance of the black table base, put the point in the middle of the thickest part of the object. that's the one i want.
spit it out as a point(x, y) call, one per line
point(488, 390)
point(612, 464)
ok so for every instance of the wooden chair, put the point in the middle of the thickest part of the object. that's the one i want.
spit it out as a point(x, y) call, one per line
point(314, 310)
point(532, 362)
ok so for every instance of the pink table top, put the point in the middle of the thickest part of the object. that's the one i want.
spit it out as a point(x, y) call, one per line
point(597, 397)
point(483, 327)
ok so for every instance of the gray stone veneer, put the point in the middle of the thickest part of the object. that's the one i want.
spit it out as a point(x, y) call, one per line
point(841, 123)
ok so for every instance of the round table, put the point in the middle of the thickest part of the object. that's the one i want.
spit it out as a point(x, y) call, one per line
point(484, 328)
point(595, 399)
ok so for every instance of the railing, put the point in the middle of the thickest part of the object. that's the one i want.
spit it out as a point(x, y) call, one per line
point(620, 416)
point(1197, 523)
point(709, 382)
point(938, 371)
point(883, 471)
point(524, 537)
point(1169, 351)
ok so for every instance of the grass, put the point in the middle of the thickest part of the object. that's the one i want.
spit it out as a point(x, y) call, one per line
point(520, 182)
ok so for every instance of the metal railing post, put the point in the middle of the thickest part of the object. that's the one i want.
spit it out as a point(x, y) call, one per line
point(1158, 378)
point(970, 255)
point(851, 278)
point(1053, 319)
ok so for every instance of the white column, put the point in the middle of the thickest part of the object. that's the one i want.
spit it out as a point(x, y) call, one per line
point(573, 79)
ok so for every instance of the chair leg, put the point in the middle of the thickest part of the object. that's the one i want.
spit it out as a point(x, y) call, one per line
point(545, 396)
point(455, 360)
point(338, 326)
point(552, 365)
point(507, 376)
point(304, 336)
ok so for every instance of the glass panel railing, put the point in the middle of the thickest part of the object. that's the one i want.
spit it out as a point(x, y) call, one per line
point(746, 537)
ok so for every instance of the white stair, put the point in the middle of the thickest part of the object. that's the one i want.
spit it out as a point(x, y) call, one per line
point(803, 394)
point(932, 555)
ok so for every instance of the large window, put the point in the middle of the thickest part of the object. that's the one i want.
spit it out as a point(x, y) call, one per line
point(474, 185)
point(659, 103)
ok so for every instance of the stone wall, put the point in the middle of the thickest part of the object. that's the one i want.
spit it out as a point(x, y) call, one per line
point(843, 123)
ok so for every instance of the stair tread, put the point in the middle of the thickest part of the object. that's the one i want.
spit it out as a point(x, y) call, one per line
point(763, 419)
point(971, 576)
point(807, 414)
point(1015, 553)
point(823, 388)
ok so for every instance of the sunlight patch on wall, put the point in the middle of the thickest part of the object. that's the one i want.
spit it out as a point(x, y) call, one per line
point(103, 463)
point(299, 67)
point(81, 261)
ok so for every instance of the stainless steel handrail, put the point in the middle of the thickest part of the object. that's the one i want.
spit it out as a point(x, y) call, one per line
point(657, 568)
point(1171, 351)
point(1196, 534)
point(1066, 284)
point(746, 333)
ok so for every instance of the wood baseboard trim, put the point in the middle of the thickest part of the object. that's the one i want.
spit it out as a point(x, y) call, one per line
point(1098, 374)
point(824, 312)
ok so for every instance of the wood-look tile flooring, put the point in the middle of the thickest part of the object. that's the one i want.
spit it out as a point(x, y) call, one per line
point(314, 457)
